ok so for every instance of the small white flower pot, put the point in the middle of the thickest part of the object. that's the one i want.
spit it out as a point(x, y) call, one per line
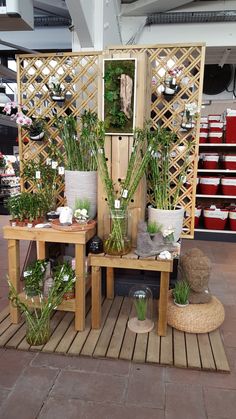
point(37, 137)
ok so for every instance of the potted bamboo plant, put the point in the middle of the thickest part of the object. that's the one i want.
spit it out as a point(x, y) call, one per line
point(81, 166)
point(165, 210)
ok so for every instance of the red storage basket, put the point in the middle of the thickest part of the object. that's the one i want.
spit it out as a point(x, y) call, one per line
point(209, 185)
point(215, 219)
point(215, 137)
point(210, 161)
point(229, 161)
point(232, 220)
point(228, 186)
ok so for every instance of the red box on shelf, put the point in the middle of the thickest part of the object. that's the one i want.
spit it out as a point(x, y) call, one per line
point(232, 219)
point(209, 185)
point(230, 134)
point(228, 185)
point(203, 137)
point(210, 161)
point(215, 218)
point(214, 118)
point(197, 216)
point(229, 161)
point(215, 137)
point(216, 126)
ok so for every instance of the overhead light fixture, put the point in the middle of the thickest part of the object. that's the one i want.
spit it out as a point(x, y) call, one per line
point(4, 99)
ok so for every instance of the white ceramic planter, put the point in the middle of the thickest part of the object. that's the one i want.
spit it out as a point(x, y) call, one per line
point(37, 137)
point(181, 305)
point(81, 185)
point(168, 218)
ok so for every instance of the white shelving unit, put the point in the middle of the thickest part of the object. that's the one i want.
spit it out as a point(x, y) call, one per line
point(216, 147)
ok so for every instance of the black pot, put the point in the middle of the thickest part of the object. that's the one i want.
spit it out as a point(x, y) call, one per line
point(95, 245)
point(52, 215)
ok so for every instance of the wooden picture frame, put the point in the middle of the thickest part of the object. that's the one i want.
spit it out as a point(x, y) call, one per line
point(119, 95)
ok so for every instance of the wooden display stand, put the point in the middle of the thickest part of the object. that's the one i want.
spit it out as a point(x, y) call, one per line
point(129, 261)
point(41, 236)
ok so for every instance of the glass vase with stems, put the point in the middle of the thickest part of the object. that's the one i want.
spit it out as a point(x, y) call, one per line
point(144, 145)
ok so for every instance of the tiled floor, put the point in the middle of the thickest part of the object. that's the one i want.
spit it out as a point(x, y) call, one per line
point(36, 385)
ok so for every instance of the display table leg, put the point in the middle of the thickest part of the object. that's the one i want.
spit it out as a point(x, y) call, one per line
point(96, 297)
point(110, 283)
point(14, 274)
point(41, 250)
point(163, 301)
point(80, 288)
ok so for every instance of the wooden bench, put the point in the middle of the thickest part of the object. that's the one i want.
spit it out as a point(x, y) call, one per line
point(129, 261)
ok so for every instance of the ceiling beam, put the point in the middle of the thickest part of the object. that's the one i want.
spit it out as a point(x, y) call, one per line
point(81, 23)
point(7, 73)
point(145, 7)
point(54, 7)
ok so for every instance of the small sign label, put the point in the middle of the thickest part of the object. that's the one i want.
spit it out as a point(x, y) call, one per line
point(54, 164)
point(117, 203)
point(61, 170)
point(38, 174)
point(125, 193)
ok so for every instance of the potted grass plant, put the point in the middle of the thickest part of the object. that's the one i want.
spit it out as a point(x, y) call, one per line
point(81, 166)
point(180, 293)
point(165, 210)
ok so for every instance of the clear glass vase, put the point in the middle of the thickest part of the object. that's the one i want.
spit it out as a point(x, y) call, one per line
point(117, 232)
point(37, 330)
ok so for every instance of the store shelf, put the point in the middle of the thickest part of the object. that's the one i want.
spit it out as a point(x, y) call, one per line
point(205, 230)
point(215, 196)
point(228, 171)
point(217, 145)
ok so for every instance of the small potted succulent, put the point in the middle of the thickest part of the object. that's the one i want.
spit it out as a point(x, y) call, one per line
point(180, 294)
point(56, 89)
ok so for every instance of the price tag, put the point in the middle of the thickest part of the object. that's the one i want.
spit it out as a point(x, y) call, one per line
point(125, 193)
point(100, 150)
point(66, 278)
point(54, 164)
point(27, 273)
point(48, 161)
point(61, 170)
point(38, 174)
point(117, 203)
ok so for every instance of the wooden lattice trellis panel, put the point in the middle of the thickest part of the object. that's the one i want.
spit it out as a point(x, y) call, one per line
point(77, 72)
point(168, 112)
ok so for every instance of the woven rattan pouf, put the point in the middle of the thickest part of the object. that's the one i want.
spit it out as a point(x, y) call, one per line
point(196, 318)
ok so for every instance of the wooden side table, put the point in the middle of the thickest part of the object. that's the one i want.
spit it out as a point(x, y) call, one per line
point(41, 236)
point(129, 261)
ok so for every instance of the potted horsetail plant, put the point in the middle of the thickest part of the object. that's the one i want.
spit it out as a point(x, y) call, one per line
point(181, 293)
point(81, 167)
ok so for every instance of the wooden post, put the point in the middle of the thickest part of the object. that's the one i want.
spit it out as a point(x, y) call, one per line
point(163, 301)
point(41, 252)
point(80, 288)
point(14, 274)
point(110, 283)
point(96, 297)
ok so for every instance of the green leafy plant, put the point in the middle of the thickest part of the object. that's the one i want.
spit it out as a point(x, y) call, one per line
point(63, 273)
point(27, 205)
point(166, 193)
point(181, 292)
point(78, 149)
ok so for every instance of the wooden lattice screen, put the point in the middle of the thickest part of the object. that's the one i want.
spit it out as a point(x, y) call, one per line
point(79, 72)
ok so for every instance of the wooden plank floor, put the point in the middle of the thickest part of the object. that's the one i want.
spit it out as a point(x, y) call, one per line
point(115, 340)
